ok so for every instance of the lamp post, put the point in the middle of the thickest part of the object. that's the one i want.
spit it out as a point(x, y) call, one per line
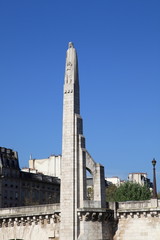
point(154, 179)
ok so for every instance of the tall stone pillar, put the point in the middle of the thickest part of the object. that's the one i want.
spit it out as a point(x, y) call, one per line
point(73, 168)
point(75, 160)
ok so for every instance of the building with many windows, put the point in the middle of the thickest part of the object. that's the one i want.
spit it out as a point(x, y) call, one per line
point(140, 178)
point(20, 188)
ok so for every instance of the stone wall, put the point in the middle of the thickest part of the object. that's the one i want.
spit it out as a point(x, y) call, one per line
point(131, 221)
point(42, 222)
point(30, 223)
point(96, 224)
point(138, 228)
point(137, 220)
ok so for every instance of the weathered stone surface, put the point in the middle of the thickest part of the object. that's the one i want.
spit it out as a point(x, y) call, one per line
point(138, 220)
point(144, 228)
point(30, 223)
point(74, 162)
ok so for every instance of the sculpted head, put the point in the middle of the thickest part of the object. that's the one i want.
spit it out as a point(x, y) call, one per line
point(70, 45)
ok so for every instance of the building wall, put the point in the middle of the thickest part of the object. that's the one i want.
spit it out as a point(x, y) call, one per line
point(140, 178)
point(39, 189)
point(19, 188)
point(113, 180)
point(43, 223)
point(96, 225)
point(45, 231)
point(138, 220)
point(30, 223)
point(29, 190)
point(138, 228)
point(133, 221)
point(50, 166)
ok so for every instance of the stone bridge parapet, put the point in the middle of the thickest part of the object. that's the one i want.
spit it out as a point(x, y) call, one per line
point(136, 208)
point(137, 219)
point(29, 215)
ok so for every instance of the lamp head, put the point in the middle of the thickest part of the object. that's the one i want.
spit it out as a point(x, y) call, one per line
point(154, 162)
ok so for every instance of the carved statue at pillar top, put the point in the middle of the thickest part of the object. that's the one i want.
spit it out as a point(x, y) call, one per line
point(71, 74)
point(70, 45)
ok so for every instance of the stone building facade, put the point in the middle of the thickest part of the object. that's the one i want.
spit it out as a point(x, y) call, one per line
point(18, 188)
point(140, 178)
point(50, 166)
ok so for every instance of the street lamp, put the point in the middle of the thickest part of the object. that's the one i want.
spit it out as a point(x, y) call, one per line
point(154, 179)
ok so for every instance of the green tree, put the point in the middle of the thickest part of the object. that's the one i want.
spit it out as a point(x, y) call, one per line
point(90, 193)
point(110, 193)
point(130, 191)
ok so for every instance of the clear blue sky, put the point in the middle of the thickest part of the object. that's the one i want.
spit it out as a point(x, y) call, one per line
point(118, 45)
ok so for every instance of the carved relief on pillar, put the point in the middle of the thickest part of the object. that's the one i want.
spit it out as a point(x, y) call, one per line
point(68, 77)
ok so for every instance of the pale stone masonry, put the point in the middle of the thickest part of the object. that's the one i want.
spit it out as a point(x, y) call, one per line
point(133, 221)
point(30, 223)
point(137, 220)
point(50, 166)
point(70, 148)
point(75, 160)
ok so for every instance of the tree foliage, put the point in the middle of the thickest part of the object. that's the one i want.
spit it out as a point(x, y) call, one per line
point(129, 191)
point(90, 193)
point(110, 193)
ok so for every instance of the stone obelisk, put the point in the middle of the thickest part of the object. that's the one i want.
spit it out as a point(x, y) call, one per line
point(75, 161)
point(73, 165)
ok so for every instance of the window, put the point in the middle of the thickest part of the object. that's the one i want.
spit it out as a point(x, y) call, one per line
point(16, 195)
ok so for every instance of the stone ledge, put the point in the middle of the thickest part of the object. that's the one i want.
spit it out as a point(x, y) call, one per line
point(29, 211)
point(29, 220)
point(138, 213)
point(95, 214)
